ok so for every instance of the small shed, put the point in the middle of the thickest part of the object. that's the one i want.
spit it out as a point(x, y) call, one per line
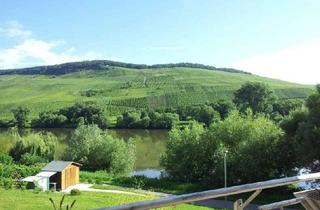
point(56, 174)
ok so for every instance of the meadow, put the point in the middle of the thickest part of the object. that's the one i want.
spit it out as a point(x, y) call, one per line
point(120, 89)
point(20, 199)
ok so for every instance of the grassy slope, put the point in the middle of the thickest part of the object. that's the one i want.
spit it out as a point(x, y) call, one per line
point(165, 88)
point(20, 200)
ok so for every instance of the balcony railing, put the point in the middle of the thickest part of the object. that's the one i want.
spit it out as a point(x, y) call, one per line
point(204, 195)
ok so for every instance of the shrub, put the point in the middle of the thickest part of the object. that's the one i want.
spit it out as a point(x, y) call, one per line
point(75, 192)
point(50, 120)
point(6, 159)
point(7, 183)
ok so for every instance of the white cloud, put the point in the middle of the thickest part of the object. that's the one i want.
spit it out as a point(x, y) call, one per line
point(15, 29)
point(300, 64)
point(30, 51)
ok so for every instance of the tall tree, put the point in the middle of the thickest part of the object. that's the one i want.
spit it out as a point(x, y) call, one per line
point(257, 96)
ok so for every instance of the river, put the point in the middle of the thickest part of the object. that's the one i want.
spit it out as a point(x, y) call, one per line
point(150, 145)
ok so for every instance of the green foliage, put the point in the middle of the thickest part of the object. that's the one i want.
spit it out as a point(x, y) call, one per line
point(284, 107)
point(6, 159)
point(50, 120)
point(31, 159)
point(252, 142)
point(303, 131)
point(223, 107)
point(202, 113)
point(318, 88)
point(190, 157)
point(75, 192)
point(160, 120)
point(7, 183)
point(256, 96)
point(85, 113)
point(117, 182)
point(6, 123)
point(60, 207)
point(91, 92)
point(102, 176)
point(163, 120)
point(196, 154)
point(96, 150)
point(20, 115)
point(42, 145)
point(10, 174)
point(79, 113)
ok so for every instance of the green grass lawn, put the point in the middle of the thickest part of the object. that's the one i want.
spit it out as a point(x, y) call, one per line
point(121, 89)
point(28, 200)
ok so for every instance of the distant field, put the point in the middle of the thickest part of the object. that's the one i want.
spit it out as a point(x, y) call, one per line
point(121, 89)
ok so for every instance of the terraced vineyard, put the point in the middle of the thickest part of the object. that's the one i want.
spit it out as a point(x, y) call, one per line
point(121, 89)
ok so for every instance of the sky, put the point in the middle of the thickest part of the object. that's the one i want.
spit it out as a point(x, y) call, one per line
point(273, 38)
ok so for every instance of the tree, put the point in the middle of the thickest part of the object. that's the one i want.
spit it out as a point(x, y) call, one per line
point(252, 143)
point(256, 96)
point(284, 107)
point(163, 120)
point(96, 150)
point(223, 107)
point(190, 157)
point(42, 145)
point(195, 154)
point(128, 120)
point(20, 115)
point(207, 115)
point(302, 129)
point(86, 113)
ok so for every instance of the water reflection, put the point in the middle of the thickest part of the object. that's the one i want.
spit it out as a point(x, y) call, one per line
point(150, 145)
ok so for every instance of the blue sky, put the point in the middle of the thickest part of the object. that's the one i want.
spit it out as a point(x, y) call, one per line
point(278, 39)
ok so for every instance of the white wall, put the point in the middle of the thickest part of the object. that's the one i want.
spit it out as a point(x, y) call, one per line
point(43, 183)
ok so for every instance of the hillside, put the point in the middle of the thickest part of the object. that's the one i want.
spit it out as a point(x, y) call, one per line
point(124, 88)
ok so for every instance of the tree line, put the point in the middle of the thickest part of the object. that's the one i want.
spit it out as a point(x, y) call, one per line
point(104, 65)
point(258, 97)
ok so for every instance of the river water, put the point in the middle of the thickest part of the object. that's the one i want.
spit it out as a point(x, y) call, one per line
point(150, 145)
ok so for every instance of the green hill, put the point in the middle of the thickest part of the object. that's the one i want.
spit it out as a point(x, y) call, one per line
point(121, 87)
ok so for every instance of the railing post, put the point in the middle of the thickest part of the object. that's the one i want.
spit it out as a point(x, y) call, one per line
point(237, 205)
point(253, 196)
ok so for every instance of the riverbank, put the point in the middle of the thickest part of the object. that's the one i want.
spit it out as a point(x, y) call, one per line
point(150, 144)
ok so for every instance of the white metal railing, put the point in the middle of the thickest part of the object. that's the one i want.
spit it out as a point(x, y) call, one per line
point(204, 195)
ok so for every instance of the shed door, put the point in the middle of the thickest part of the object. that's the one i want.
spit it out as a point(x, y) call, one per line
point(71, 176)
